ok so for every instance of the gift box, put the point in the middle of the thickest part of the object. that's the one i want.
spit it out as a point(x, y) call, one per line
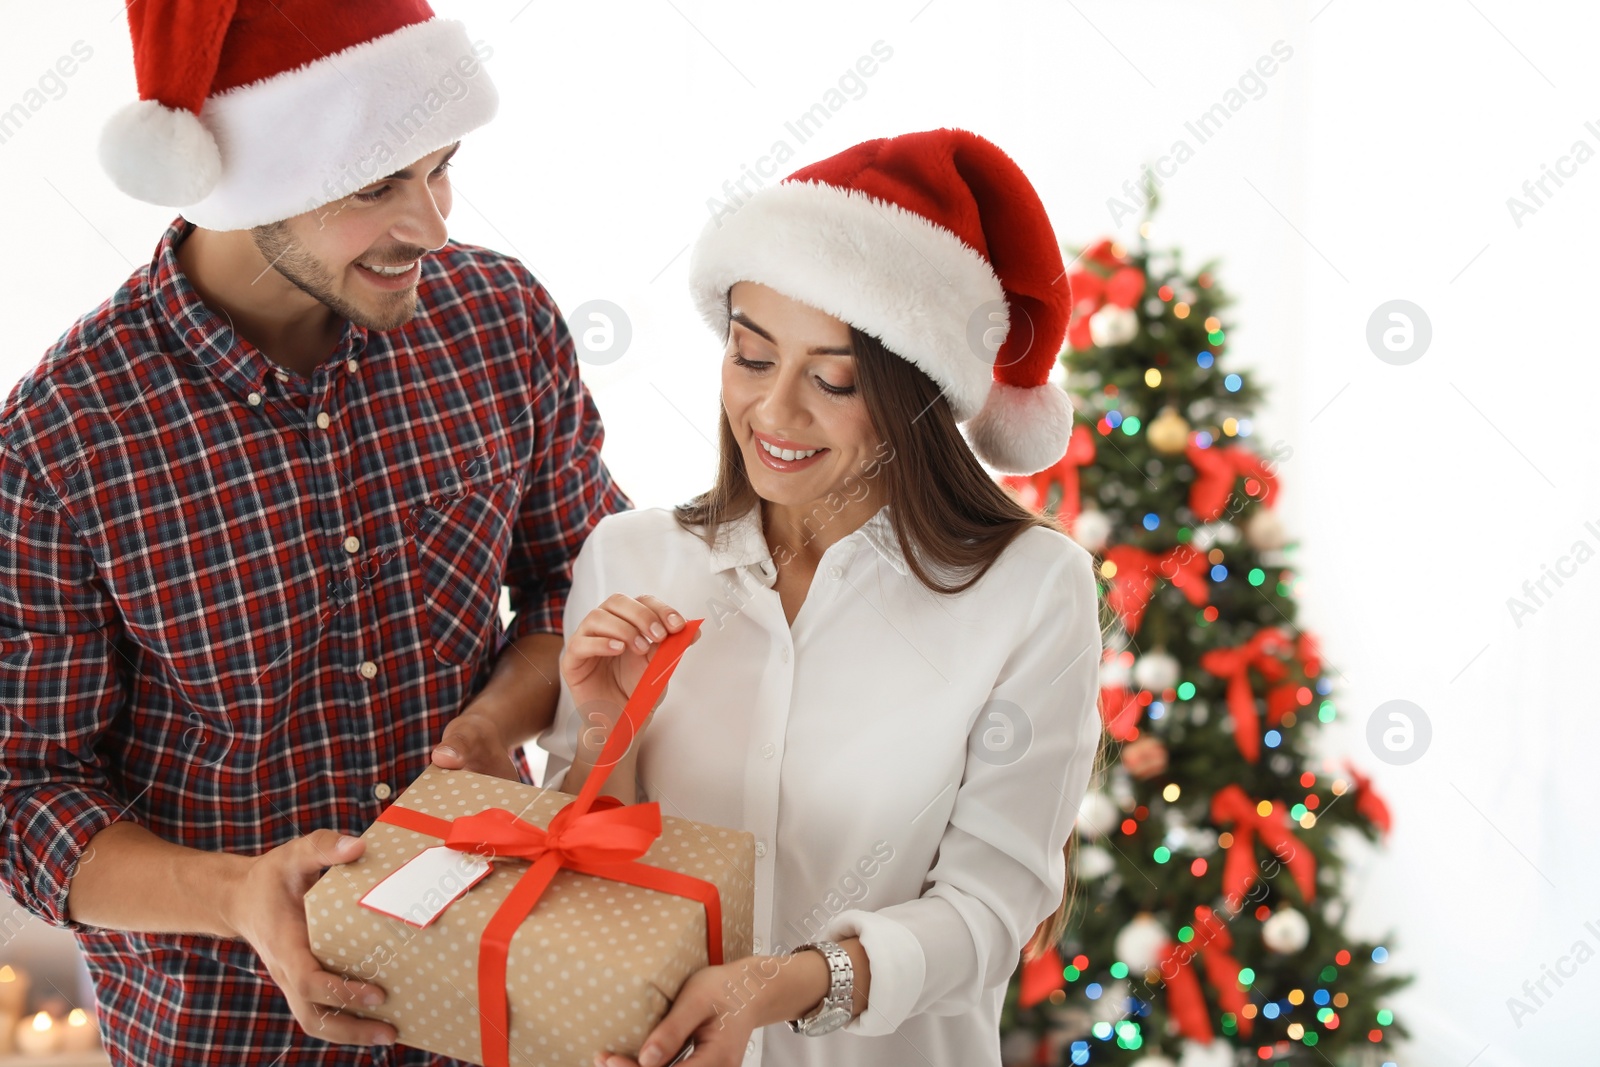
point(512, 925)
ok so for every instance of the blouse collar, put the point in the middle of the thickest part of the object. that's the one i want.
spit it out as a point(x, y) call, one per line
point(741, 543)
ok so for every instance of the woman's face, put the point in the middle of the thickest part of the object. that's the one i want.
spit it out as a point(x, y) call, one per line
point(789, 389)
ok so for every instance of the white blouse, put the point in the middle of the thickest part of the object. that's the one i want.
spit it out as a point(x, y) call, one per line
point(910, 763)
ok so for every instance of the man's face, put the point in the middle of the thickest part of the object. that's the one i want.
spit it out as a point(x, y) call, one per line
point(328, 252)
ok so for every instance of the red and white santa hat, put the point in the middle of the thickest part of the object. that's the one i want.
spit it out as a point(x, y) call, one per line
point(935, 243)
point(253, 111)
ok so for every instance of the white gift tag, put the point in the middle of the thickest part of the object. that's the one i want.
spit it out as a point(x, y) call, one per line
point(420, 889)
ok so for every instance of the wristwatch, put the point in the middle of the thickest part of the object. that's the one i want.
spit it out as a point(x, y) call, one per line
point(837, 1007)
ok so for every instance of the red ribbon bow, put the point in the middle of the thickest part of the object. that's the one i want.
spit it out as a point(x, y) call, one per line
point(1369, 805)
point(1136, 571)
point(1231, 806)
point(1216, 469)
point(591, 835)
point(1034, 489)
point(1120, 710)
point(1092, 291)
point(1262, 653)
point(1185, 1002)
point(1041, 976)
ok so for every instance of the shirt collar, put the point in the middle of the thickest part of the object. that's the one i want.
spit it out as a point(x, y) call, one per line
point(742, 543)
point(207, 336)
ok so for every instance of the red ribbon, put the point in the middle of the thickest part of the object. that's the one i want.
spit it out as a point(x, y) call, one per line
point(1120, 710)
point(1260, 652)
point(1282, 699)
point(1216, 469)
point(1369, 805)
point(1185, 1002)
point(1134, 580)
point(1041, 977)
point(593, 835)
point(1034, 489)
point(1230, 806)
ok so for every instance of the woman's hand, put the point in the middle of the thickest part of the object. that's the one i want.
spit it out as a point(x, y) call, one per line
point(603, 660)
point(702, 1012)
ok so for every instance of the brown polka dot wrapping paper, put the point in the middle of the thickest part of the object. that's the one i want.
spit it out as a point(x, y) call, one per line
point(594, 966)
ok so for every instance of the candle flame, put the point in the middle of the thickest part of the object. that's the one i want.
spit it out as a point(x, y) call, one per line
point(7, 974)
point(42, 1021)
point(77, 1017)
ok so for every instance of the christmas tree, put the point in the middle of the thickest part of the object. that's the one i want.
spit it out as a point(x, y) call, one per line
point(1207, 922)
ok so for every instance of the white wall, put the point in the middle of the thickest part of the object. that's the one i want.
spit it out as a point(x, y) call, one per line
point(1374, 165)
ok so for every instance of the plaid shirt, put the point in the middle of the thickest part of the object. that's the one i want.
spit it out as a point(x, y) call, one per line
point(238, 605)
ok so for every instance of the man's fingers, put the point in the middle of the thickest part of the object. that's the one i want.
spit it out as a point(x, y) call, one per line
point(326, 848)
point(332, 1025)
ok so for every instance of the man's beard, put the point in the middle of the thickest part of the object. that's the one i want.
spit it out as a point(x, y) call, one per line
point(308, 275)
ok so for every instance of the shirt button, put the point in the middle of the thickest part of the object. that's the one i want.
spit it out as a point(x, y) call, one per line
point(323, 421)
point(382, 790)
point(255, 400)
point(750, 1046)
point(835, 572)
point(757, 944)
point(351, 365)
point(283, 376)
point(761, 848)
point(767, 750)
point(351, 545)
point(369, 669)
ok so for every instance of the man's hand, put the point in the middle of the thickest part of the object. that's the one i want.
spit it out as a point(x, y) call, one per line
point(473, 741)
point(269, 912)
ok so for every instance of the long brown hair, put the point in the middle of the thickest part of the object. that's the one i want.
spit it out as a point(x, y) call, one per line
point(941, 503)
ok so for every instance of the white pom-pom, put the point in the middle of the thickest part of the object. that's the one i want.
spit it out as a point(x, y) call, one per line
point(1156, 671)
point(1094, 862)
point(160, 155)
point(1285, 931)
point(1112, 325)
point(1097, 815)
point(1022, 430)
point(1264, 530)
point(1091, 529)
point(1141, 943)
point(1216, 1054)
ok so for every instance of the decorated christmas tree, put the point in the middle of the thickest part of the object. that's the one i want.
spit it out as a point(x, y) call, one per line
point(1207, 927)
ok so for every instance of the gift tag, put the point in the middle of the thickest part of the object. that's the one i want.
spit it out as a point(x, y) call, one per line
point(420, 889)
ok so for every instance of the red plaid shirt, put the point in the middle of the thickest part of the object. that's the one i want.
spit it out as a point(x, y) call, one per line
point(238, 605)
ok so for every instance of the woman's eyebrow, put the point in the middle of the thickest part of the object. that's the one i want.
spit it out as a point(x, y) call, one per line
point(816, 350)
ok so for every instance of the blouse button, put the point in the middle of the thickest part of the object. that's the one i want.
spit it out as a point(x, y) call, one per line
point(784, 655)
point(761, 848)
point(757, 947)
point(835, 572)
point(767, 750)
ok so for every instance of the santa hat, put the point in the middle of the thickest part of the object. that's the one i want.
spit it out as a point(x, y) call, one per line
point(936, 244)
point(252, 111)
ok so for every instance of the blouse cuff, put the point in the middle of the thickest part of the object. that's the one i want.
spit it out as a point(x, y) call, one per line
point(898, 969)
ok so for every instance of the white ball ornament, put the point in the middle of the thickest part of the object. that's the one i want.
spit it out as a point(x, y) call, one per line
point(1285, 931)
point(1094, 862)
point(1091, 529)
point(1156, 671)
point(1097, 815)
point(1113, 325)
point(1216, 1054)
point(1140, 943)
point(1264, 530)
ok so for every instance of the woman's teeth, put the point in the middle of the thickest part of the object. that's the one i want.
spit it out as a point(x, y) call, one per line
point(390, 271)
point(788, 455)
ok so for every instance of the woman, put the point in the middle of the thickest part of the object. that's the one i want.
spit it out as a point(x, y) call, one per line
point(894, 688)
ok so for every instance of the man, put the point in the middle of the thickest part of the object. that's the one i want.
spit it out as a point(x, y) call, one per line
point(256, 511)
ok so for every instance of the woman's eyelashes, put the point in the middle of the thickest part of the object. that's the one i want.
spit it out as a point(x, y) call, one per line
point(758, 366)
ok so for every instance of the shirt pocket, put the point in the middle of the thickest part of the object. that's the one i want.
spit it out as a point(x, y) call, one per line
point(457, 565)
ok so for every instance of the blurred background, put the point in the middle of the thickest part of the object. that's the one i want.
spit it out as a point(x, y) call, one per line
point(1440, 152)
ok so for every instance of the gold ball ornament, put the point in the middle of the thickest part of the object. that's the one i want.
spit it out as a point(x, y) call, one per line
point(1169, 433)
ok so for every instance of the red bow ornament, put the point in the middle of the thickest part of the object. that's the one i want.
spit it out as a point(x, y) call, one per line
point(1216, 470)
point(1186, 1003)
point(1230, 806)
point(1262, 653)
point(1034, 489)
point(1135, 571)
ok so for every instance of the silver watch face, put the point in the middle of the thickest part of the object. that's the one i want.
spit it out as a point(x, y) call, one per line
point(829, 1020)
